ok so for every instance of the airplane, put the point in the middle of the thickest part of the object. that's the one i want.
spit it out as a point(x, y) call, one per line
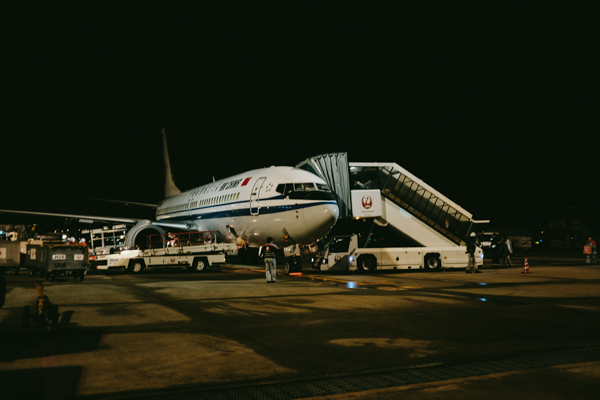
point(288, 204)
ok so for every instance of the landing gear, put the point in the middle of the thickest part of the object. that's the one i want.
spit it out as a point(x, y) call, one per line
point(292, 264)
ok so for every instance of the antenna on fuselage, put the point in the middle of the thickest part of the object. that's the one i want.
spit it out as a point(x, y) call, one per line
point(170, 188)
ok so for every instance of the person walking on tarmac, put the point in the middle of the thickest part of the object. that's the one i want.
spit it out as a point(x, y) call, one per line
point(268, 251)
point(471, 245)
point(506, 252)
point(495, 249)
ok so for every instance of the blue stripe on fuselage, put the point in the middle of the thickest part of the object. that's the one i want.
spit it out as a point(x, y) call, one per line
point(264, 209)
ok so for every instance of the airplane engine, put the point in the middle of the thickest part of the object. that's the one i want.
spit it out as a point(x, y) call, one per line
point(137, 235)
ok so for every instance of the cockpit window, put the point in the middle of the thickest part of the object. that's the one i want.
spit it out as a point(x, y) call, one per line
point(308, 190)
point(285, 188)
point(304, 187)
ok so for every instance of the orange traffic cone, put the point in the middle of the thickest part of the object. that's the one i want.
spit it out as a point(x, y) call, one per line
point(526, 269)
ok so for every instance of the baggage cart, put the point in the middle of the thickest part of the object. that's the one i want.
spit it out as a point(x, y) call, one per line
point(52, 260)
point(10, 256)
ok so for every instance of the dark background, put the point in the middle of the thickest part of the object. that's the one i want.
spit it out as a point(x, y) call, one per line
point(496, 106)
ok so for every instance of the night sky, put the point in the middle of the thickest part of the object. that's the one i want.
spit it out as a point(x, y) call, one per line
point(495, 106)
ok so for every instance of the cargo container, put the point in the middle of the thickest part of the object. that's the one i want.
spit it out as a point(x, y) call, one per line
point(11, 258)
point(52, 260)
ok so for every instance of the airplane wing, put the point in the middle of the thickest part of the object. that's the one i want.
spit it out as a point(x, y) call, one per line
point(137, 203)
point(82, 218)
point(91, 218)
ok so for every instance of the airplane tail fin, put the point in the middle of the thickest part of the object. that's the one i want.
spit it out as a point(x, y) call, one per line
point(170, 188)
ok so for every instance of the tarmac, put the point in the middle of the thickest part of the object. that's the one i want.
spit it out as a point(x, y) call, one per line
point(227, 334)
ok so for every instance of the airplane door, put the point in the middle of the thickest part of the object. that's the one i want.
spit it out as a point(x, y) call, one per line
point(254, 197)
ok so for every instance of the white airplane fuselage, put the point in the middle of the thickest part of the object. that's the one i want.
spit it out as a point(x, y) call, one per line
point(288, 204)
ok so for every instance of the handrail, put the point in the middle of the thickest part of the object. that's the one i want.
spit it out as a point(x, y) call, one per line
point(181, 239)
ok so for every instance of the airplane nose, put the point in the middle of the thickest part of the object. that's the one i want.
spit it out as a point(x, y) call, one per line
point(319, 220)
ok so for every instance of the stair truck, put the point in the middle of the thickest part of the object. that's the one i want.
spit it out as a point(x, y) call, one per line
point(389, 219)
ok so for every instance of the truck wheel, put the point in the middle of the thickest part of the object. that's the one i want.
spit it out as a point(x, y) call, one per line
point(287, 267)
point(199, 265)
point(367, 262)
point(15, 271)
point(432, 263)
point(81, 276)
point(136, 266)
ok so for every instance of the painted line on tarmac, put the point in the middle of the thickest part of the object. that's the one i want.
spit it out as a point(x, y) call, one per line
point(348, 284)
point(353, 284)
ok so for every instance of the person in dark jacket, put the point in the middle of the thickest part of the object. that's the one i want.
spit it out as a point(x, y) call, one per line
point(269, 252)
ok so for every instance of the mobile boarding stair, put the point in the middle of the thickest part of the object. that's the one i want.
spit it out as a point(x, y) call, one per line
point(409, 204)
point(421, 201)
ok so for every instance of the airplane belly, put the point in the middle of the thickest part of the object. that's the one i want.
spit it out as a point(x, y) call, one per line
point(255, 230)
point(300, 225)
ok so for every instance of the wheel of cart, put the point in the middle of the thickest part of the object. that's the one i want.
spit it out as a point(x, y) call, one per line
point(199, 264)
point(136, 266)
point(79, 275)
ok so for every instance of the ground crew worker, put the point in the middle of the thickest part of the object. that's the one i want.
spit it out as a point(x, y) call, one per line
point(506, 252)
point(268, 251)
point(594, 251)
point(471, 246)
point(496, 248)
